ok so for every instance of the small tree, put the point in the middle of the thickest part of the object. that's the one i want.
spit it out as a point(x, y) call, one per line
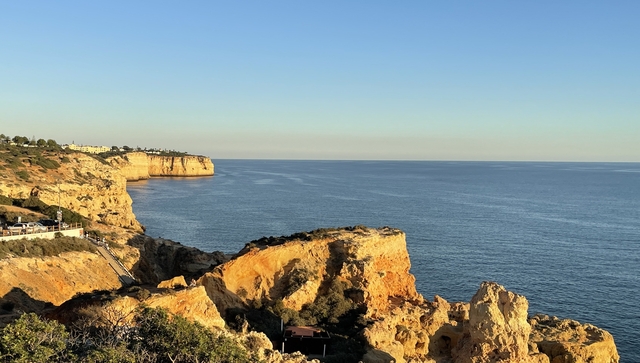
point(20, 140)
point(41, 143)
point(31, 339)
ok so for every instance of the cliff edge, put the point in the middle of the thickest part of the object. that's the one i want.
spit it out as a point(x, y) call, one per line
point(139, 166)
point(328, 276)
point(80, 183)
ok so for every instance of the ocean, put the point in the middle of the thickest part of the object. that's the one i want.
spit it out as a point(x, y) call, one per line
point(565, 235)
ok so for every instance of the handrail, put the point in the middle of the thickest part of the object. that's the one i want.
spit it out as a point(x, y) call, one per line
point(8, 232)
point(115, 258)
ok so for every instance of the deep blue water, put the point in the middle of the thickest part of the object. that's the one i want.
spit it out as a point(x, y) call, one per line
point(565, 235)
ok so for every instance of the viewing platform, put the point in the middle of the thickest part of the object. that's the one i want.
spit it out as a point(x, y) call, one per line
point(74, 230)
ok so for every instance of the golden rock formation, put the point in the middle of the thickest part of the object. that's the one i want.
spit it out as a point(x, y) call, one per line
point(180, 166)
point(403, 327)
point(139, 166)
point(497, 329)
point(568, 341)
point(93, 189)
point(134, 166)
point(31, 282)
point(372, 261)
point(191, 303)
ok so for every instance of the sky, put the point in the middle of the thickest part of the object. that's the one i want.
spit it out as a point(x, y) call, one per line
point(377, 80)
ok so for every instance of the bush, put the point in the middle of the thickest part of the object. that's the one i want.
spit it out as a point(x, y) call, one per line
point(36, 205)
point(46, 163)
point(143, 294)
point(39, 247)
point(5, 200)
point(31, 339)
point(177, 339)
point(23, 174)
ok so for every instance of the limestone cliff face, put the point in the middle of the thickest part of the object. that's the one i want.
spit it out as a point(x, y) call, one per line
point(31, 282)
point(568, 341)
point(139, 166)
point(403, 327)
point(372, 261)
point(180, 166)
point(192, 303)
point(83, 184)
point(134, 166)
point(497, 329)
point(492, 328)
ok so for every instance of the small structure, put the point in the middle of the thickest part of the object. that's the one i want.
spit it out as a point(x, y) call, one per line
point(305, 339)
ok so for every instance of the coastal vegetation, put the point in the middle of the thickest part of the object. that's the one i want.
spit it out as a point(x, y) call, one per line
point(334, 311)
point(122, 151)
point(155, 336)
point(38, 208)
point(39, 247)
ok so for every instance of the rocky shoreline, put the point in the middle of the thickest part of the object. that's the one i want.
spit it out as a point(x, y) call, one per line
point(353, 282)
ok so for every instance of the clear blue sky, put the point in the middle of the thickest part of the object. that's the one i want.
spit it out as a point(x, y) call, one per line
point(429, 80)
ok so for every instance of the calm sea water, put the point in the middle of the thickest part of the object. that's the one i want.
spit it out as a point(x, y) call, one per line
point(565, 235)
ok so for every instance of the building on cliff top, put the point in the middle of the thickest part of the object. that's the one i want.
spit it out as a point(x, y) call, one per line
point(87, 148)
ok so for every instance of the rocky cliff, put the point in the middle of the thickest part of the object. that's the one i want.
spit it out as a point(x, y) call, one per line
point(134, 166)
point(402, 325)
point(30, 283)
point(139, 166)
point(157, 259)
point(374, 264)
point(180, 166)
point(82, 184)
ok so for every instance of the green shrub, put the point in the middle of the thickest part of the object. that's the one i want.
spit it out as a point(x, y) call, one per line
point(23, 174)
point(297, 278)
point(4, 200)
point(143, 294)
point(46, 163)
point(177, 339)
point(31, 339)
point(36, 205)
point(39, 247)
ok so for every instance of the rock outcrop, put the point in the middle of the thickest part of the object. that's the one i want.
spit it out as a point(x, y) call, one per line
point(134, 166)
point(402, 326)
point(497, 329)
point(139, 166)
point(492, 328)
point(373, 263)
point(568, 341)
point(82, 184)
point(191, 303)
point(180, 166)
point(160, 259)
point(32, 282)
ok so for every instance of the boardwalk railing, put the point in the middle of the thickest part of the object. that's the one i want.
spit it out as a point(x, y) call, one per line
point(103, 247)
point(24, 231)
